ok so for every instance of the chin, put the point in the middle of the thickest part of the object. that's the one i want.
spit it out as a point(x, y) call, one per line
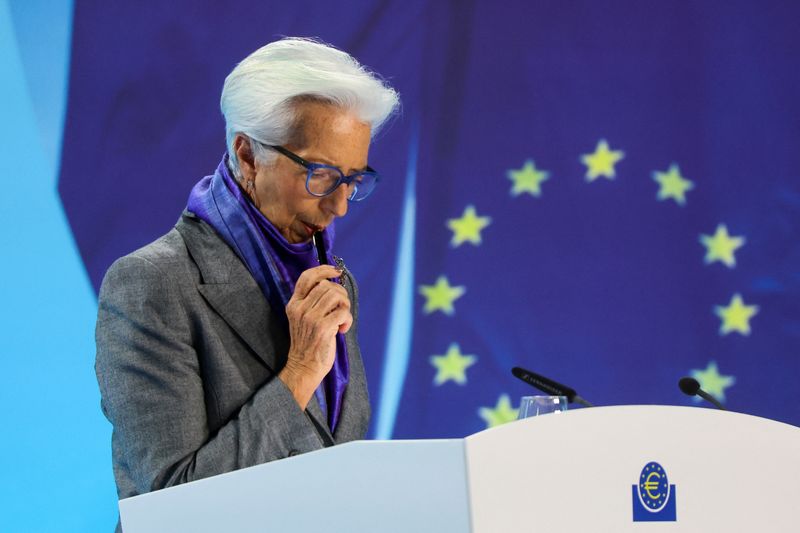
point(297, 238)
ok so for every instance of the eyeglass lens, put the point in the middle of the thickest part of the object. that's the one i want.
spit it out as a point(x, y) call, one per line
point(323, 181)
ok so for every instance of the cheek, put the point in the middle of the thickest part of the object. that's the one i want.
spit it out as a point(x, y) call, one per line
point(283, 200)
point(265, 194)
point(306, 208)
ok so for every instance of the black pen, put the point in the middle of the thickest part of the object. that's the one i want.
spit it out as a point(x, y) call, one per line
point(322, 255)
point(319, 244)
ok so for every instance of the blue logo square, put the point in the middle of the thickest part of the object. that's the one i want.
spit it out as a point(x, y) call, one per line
point(665, 514)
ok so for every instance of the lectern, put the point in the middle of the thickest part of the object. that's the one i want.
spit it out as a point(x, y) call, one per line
point(615, 469)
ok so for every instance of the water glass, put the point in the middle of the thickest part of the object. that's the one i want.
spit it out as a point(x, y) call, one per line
point(539, 405)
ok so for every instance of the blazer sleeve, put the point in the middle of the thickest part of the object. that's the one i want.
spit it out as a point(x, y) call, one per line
point(152, 390)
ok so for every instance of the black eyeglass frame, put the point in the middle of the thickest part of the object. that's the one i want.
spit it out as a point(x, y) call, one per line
point(347, 180)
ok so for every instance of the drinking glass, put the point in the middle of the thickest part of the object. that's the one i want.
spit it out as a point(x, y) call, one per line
point(539, 405)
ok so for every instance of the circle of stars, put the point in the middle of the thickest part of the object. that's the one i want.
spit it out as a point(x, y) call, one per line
point(720, 247)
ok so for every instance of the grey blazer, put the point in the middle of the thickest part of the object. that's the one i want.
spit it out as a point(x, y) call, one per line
point(188, 352)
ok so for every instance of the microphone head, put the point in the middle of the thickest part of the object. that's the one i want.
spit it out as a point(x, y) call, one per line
point(689, 386)
point(544, 384)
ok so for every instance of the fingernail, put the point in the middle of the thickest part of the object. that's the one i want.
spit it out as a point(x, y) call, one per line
point(339, 269)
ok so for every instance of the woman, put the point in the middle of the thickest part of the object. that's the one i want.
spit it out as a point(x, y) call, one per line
point(225, 343)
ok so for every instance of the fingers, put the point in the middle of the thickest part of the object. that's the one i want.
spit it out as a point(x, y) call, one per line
point(326, 297)
point(312, 277)
point(338, 321)
point(325, 305)
point(347, 323)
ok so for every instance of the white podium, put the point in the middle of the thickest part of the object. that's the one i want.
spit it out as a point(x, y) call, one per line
point(579, 471)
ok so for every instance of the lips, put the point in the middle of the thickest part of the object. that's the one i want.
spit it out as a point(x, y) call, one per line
point(312, 228)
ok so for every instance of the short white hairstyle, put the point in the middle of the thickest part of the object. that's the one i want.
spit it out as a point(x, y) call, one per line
point(259, 95)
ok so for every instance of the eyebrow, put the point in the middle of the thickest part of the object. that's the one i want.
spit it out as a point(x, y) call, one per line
point(327, 161)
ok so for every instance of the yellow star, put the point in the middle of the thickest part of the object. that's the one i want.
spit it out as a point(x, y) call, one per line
point(721, 246)
point(501, 414)
point(468, 227)
point(440, 297)
point(736, 316)
point(528, 179)
point(452, 365)
point(673, 185)
point(601, 162)
point(712, 381)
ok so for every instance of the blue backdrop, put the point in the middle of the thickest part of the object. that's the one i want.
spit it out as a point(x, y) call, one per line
point(606, 193)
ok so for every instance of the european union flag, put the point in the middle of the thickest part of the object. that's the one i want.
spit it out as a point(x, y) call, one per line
point(604, 193)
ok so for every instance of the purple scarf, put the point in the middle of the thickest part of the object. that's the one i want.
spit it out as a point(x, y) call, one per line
point(274, 263)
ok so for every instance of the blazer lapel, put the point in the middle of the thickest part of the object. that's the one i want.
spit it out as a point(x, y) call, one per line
point(354, 416)
point(315, 413)
point(228, 287)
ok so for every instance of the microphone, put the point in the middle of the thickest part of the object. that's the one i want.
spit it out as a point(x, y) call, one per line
point(549, 386)
point(691, 387)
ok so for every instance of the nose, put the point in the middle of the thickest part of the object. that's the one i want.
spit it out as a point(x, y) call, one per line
point(336, 202)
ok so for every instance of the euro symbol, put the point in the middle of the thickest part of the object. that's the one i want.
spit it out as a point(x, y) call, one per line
point(650, 485)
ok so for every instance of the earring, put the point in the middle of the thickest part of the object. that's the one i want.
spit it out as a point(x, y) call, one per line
point(250, 189)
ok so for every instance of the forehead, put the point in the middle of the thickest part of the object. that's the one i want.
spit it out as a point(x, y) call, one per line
point(330, 131)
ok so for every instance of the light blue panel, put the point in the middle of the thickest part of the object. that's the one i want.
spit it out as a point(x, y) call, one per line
point(54, 452)
point(359, 487)
point(401, 317)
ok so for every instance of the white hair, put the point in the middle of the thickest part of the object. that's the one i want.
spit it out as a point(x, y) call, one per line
point(259, 95)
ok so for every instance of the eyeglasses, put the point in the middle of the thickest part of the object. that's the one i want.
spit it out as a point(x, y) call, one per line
point(322, 180)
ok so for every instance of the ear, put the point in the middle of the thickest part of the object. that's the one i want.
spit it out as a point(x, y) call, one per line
point(245, 157)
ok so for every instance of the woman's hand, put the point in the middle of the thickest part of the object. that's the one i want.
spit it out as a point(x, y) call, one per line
point(317, 311)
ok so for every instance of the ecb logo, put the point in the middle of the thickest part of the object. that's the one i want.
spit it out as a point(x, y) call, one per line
point(653, 496)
